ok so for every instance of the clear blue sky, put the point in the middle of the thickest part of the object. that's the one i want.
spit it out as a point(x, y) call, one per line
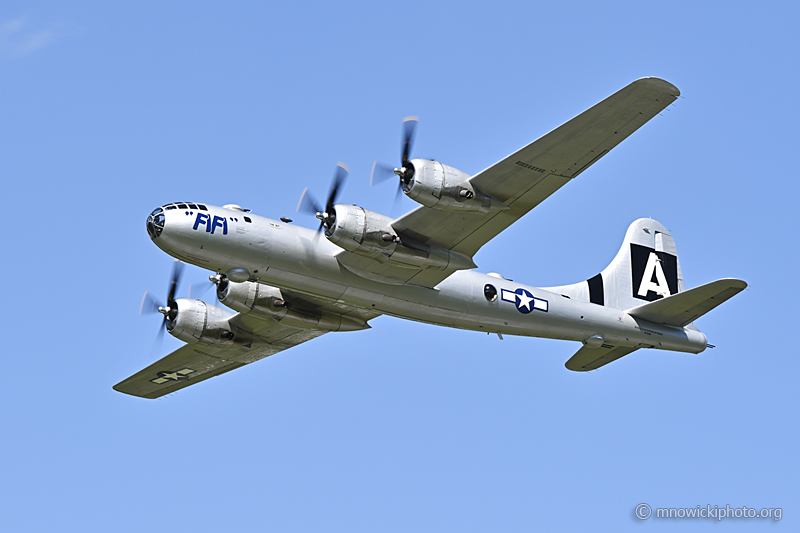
point(113, 108)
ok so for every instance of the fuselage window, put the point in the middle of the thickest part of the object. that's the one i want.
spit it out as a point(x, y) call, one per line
point(489, 292)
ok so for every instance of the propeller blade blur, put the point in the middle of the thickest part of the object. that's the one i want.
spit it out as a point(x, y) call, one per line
point(338, 181)
point(177, 271)
point(149, 305)
point(308, 204)
point(409, 127)
point(380, 173)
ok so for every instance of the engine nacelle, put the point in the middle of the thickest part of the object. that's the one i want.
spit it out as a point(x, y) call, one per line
point(197, 321)
point(371, 234)
point(260, 299)
point(443, 187)
point(362, 231)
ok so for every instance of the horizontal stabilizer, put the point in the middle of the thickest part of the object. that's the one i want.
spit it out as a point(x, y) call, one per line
point(589, 358)
point(687, 306)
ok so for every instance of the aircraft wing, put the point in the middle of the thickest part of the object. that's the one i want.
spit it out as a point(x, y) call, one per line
point(193, 363)
point(528, 176)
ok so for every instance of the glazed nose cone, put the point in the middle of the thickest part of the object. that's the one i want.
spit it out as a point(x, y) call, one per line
point(155, 223)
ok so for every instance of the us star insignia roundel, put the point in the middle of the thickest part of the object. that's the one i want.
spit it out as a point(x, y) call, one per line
point(178, 375)
point(524, 300)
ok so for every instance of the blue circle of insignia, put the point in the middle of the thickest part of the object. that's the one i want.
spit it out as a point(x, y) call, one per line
point(524, 301)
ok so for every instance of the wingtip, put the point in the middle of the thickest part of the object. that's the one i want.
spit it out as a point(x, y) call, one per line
point(737, 283)
point(662, 84)
point(575, 368)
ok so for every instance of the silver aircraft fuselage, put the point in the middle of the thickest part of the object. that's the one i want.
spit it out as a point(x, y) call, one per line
point(283, 255)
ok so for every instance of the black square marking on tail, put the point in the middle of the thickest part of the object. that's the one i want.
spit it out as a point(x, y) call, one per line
point(668, 264)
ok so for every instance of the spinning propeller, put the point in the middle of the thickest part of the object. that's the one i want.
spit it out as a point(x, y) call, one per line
point(151, 304)
point(382, 172)
point(308, 203)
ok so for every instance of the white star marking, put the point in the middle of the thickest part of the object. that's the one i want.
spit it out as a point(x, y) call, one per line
point(164, 377)
point(524, 301)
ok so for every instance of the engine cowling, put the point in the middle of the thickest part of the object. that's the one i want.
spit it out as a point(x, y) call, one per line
point(362, 231)
point(260, 299)
point(371, 234)
point(196, 321)
point(443, 187)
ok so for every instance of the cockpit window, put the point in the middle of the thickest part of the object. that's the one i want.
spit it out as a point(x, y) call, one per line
point(247, 219)
point(184, 205)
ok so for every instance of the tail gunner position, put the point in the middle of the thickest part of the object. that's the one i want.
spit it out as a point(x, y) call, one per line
point(287, 285)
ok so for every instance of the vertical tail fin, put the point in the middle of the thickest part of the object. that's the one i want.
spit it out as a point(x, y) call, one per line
point(645, 269)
